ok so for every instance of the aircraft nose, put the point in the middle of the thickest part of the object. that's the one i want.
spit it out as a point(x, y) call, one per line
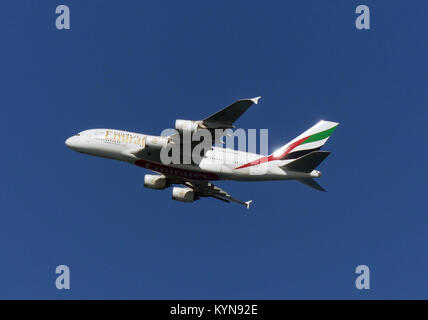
point(71, 142)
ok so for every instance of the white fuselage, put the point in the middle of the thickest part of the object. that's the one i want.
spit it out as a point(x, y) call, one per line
point(216, 164)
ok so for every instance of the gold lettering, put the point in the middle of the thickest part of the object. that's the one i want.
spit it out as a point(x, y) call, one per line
point(116, 136)
point(107, 133)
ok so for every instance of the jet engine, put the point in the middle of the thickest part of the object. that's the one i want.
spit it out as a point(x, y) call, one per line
point(183, 194)
point(187, 126)
point(156, 142)
point(154, 181)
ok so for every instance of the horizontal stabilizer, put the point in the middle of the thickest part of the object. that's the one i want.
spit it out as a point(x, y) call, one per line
point(311, 183)
point(308, 162)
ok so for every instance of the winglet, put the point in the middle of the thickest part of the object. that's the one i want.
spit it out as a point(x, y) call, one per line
point(255, 100)
point(248, 203)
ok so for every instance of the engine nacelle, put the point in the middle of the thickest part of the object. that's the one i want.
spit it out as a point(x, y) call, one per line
point(154, 181)
point(183, 194)
point(156, 142)
point(188, 126)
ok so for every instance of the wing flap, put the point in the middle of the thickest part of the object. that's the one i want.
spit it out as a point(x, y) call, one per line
point(207, 189)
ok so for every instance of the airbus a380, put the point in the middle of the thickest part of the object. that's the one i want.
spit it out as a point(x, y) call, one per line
point(297, 160)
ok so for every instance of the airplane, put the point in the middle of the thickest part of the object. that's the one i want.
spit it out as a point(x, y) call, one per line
point(296, 160)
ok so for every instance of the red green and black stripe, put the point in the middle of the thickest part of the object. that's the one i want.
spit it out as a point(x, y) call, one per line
point(287, 154)
point(298, 154)
point(320, 135)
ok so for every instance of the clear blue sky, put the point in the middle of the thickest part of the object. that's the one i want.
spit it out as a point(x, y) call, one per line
point(139, 65)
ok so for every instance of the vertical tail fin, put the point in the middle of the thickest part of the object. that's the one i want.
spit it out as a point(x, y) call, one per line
point(310, 140)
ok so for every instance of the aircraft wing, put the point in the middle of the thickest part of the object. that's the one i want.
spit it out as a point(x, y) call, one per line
point(225, 118)
point(222, 119)
point(207, 189)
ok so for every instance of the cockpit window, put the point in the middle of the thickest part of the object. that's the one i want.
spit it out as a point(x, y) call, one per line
point(78, 134)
